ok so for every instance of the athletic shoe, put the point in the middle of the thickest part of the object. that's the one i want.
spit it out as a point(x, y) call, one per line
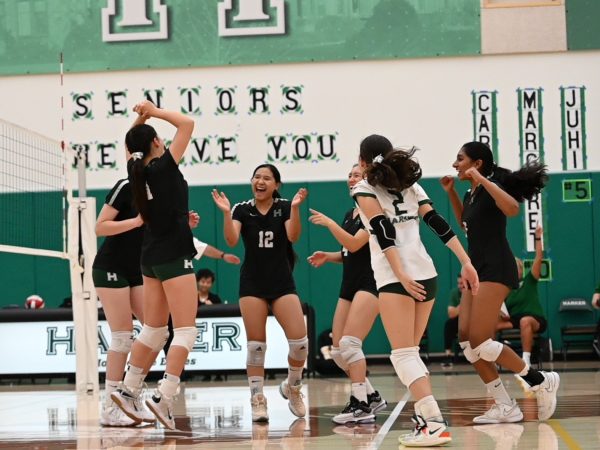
point(294, 396)
point(376, 403)
point(355, 412)
point(545, 395)
point(505, 435)
point(112, 416)
point(596, 346)
point(147, 416)
point(128, 402)
point(501, 413)
point(524, 385)
point(259, 408)
point(426, 434)
point(162, 407)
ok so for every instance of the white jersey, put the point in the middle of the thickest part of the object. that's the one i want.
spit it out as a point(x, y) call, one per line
point(402, 209)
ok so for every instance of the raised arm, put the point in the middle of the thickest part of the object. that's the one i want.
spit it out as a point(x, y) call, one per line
point(231, 228)
point(504, 201)
point(318, 258)
point(183, 123)
point(293, 227)
point(447, 183)
point(106, 225)
point(536, 267)
point(352, 242)
point(385, 233)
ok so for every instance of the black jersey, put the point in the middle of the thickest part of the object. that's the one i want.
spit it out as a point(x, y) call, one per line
point(357, 271)
point(489, 250)
point(266, 271)
point(120, 253)
point(167, 235)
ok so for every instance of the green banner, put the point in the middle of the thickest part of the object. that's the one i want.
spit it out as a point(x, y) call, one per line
point(99, 35)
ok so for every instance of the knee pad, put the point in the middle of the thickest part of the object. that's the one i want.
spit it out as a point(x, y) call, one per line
point(469, 353)
point(337, 358)
point(489, 350)
point(121, 341)
point(154, 338)
point(423, 366)
point(298, 348)
point(351, 349)
point(184, 337)
point(408, 365)
point(256, 353)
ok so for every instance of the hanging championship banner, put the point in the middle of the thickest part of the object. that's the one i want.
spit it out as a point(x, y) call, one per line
point(572, 108)
point(485, 124)
point(531, 144)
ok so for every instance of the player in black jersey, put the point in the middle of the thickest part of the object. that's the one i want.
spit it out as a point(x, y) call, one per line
point(495, 194)
point(161, 196)
point(356, 309)
point(268, 225)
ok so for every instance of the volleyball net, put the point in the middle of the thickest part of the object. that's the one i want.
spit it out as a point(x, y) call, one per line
point(39, 216)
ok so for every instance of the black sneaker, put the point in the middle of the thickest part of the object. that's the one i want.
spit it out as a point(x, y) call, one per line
point(376, 403)
point(355, 412)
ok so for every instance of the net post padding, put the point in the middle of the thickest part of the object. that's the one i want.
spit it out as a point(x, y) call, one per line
point(82, 215)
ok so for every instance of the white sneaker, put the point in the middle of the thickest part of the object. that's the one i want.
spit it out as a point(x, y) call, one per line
point(376, 402)
point(128, 402)
point(545, 395)
point(524, 385)
point(501, 413)
point(426, 434)
point(112, 416)
point(259, 408)
point(162, 407)
point(355, 412)
point(294, 396)
point(146, 416)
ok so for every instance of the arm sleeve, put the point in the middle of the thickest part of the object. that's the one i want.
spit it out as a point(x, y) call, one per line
point(421, 195)
point(363, 189)
point(237, 212)
point(119, 195)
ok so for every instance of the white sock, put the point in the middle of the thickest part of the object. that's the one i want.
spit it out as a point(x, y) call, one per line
point(527, 358)
point(256, 385)
point(169, 386)
point(110, 386)
point(498, 391)
point(429, 409)
point(370, 388)
point(134, 378)
point(294, 375)
point(359, 390)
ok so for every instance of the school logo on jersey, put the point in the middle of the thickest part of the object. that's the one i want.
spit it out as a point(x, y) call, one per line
point(111, 276)
point(187, 264)
point(277, 213)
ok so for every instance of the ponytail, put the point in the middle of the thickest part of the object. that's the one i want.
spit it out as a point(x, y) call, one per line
point(139, 143)
point(397, 170)
point(138, 183)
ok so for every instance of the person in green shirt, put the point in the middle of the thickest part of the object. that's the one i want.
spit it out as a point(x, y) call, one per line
point(596, 304)
point(523, 304)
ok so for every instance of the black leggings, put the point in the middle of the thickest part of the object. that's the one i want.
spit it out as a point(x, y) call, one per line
point(450, 332)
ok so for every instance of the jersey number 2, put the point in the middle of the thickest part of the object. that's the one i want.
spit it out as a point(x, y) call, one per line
point(399, 200)
point(265, 239)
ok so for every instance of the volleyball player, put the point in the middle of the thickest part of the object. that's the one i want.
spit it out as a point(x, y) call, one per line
point(356, 308)
point(161, 196)
point(268, 226)
point(495, 194)
point(391, 202)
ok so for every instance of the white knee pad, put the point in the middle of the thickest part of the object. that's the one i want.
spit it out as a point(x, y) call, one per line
point(408, 365)
point(121, 341)
point(337, 358)
point(351, 349)
point(469, 353)
point(489, 350)
point(154, 338)
point(256, 353)
point(298, 348)
point(185, 337)
point(423, 366)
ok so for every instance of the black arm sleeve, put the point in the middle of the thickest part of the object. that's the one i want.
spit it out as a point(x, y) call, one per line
point(439, 225)
point(384, 231)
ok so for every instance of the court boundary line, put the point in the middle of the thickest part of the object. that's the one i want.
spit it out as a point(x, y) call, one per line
point(385, 428)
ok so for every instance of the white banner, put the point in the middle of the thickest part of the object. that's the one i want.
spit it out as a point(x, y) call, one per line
point(49, 347)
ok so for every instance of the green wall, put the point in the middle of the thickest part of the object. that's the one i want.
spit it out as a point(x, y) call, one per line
point(571, 244)
point(582, 24)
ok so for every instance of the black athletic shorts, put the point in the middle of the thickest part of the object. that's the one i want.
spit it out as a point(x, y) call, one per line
point(515, 320)
point(349, 288)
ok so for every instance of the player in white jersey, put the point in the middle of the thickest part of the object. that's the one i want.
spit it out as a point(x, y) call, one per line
point(392, 203)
